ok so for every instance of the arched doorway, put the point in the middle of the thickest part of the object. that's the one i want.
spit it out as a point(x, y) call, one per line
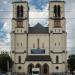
point(30, 66)
point(45, 69)
point(38, 66)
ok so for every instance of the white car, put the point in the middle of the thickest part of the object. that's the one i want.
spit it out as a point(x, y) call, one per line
point(35, 71)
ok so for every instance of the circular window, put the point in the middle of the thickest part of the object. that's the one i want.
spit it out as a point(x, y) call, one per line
point(57, 67)
point(19, 67)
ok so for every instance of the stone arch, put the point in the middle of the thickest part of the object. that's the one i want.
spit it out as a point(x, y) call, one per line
point(59, 10)
point(57, 59)
point(21, 11)
point(30, 66)
point(45, 68)
point(38, 66)
point(55, 11)
point(18, 8)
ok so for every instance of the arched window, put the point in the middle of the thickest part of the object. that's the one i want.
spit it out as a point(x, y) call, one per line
point(33, 45)
point(19, 59)
point(42, 45)
point(55, 11)
point(38, 66)
point(57, 59)
point(18, 8)
point(30, 66)
point(21, 11)
point(45, 69)
point(59, 11)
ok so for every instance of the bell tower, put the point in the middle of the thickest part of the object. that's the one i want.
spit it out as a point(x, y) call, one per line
point(56, 16)
point(20, 16)
point(20, 24)
point(58, 35)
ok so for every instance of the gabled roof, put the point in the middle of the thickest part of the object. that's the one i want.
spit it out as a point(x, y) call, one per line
point(38, 28)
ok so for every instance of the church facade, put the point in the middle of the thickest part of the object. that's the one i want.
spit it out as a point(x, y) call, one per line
point(38, 46)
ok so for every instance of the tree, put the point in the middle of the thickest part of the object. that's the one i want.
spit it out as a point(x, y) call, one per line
point(5, 59)
point(71, 63)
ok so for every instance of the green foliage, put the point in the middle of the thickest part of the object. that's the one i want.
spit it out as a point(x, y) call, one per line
point(4, 58)
point(71, 63)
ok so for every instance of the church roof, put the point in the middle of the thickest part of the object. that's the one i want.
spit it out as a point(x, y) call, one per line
point(38, 28)
point(38, 58)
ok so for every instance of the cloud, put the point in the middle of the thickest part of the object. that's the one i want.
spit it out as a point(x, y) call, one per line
point(7, 27)
point(36, 15)
point(39, 4)
point(70, 15)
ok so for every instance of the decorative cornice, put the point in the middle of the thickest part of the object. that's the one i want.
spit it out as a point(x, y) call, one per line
point(20, 18)
point(57, 18)
point(19, 2)
point(25, 32)
point(58, 52)
point(57, 33)
point(59, 63)
point(19, 27)
point(57, 1)
point(19, 52)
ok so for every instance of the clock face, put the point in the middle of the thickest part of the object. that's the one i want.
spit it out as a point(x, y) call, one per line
point(57, 23)
point(19, 24)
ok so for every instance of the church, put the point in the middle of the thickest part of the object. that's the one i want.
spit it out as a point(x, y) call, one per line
point(38, 46)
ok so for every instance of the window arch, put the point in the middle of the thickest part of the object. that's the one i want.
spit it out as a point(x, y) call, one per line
point(55, 11)
point(20, 11)
point(33, 45)
point(42, 45)
point(19, 59)
point(30, 66)
point(45, 69)
point(18, 8)
point(38, 66)
point(57, 59)
point(59, 11)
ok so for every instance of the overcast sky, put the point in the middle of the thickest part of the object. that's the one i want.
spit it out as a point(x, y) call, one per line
point(38, 9)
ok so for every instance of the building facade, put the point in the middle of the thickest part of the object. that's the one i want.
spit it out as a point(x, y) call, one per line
point(38, 46)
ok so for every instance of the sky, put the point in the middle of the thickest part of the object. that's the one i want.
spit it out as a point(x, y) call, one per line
point(39, 12)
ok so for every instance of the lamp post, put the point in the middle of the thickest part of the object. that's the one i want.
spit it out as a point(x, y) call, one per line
point(8, 68)
point(7, 65)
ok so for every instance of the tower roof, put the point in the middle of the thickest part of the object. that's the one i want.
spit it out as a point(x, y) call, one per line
point(57, 0)
point(19, 1)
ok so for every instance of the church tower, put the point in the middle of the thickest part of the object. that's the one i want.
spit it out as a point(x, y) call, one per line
point(20, 23)
point(57, 30)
